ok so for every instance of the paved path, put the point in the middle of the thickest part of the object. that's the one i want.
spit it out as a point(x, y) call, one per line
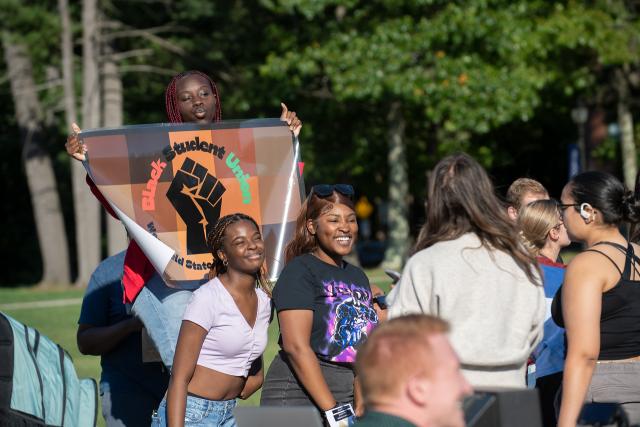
point(41, 304)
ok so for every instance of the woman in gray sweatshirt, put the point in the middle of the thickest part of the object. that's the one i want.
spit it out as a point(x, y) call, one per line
point(470, 268)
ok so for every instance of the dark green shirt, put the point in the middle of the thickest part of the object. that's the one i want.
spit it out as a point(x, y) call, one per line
point(379, 419)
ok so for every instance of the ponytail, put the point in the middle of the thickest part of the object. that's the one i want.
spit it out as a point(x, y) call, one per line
point(607, 194)
point(630, 206)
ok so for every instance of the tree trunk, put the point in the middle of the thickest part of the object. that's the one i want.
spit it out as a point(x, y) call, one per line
point(87, 208)
point(66, 44)
point(398, 234)
point(38, 167)
point(112, 95)
point(625, 121)
point(81, 195)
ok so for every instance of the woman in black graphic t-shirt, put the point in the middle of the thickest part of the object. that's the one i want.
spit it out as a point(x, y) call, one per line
point(324, 306)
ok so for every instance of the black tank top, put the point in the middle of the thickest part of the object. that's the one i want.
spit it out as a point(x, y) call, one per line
point(620, 316)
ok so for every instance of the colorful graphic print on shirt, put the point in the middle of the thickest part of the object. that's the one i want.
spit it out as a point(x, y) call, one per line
point(350, 319)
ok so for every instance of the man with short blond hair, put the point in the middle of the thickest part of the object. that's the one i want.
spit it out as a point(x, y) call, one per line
point(522, 192)
point(410, 375)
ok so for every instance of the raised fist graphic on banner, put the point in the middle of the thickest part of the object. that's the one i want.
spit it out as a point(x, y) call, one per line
point(197, 197)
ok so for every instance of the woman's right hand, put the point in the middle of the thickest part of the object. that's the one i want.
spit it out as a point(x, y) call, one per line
point(380, 311)
point(74, 147)
point(291, 118)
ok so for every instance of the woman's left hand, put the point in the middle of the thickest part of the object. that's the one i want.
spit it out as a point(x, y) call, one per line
point(295, 124)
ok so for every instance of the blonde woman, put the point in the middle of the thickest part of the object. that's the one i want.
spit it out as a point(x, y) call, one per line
point(545, 235)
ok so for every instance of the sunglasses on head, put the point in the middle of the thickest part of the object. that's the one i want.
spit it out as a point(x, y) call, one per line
point(325, 190)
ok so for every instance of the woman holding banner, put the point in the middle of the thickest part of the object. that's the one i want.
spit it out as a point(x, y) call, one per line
point(325, 308)
point(227, 320)
point(190, 97)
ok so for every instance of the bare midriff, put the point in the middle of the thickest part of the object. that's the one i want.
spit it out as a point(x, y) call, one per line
point(214, 385)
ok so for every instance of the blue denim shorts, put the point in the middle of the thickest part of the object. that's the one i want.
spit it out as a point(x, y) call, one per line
point(200, 412)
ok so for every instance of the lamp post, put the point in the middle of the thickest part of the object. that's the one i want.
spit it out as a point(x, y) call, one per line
point(580, 114)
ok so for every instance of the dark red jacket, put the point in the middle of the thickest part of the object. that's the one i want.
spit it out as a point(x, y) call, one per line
point(137, 267)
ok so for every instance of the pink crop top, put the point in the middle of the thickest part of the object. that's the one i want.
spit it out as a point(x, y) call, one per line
point(231, 345)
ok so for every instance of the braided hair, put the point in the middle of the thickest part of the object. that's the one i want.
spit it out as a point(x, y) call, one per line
point(171, 97)
point(215, 242)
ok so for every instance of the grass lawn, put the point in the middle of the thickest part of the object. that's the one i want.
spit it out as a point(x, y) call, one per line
point(60, 323)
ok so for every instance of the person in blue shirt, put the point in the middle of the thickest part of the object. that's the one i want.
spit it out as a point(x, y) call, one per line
point(545, 235)
point(130, 390)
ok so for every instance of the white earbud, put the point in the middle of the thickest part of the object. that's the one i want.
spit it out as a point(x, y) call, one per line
point(583, 212)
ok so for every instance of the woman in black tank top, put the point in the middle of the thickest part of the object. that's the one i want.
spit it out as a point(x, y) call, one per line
point(600, 300)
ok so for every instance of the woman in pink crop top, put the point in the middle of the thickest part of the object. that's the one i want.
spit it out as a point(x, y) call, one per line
point(227, 321)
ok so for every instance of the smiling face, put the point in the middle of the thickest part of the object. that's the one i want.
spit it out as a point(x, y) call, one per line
point(243, 247)
point(196, 101)
point(335, 232)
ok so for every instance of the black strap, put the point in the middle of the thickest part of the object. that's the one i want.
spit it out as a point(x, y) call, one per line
point(7, 363)
point(95, 401)
point(37, 344)
point(632, 256)
point(37, 368)
point(614, 244)
point(64, 384)
point(629, 256)
point(608, 257)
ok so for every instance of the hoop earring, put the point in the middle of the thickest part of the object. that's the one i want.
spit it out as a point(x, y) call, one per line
point(225, 263)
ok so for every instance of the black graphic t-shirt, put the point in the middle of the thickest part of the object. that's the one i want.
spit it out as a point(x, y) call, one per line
point(340, 297)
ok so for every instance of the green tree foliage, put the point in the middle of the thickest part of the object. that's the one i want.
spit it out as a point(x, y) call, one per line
point(496, 78)
point(465, 67)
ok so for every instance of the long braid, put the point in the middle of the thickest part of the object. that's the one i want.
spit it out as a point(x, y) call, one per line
point(171, 97)
point(215, 242)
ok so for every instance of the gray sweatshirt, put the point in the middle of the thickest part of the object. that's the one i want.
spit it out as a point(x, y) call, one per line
point(496, 313)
